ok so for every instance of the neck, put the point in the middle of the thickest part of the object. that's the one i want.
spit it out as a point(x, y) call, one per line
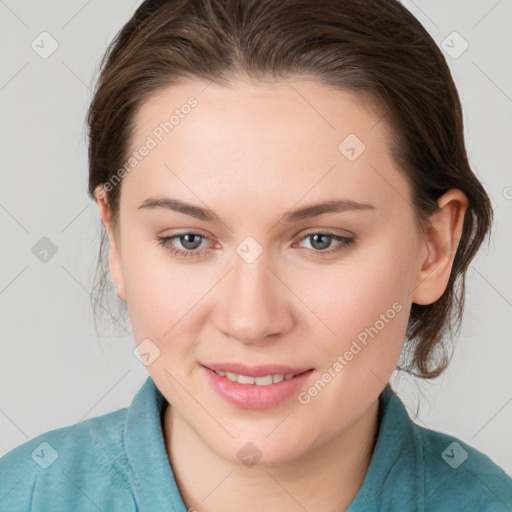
point(326, 477)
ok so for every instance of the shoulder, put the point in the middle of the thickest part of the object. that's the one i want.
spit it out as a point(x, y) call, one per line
point(458, 476)
point(418, 469)
point(65, 466)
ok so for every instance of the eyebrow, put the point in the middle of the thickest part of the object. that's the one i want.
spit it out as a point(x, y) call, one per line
point(306, 212)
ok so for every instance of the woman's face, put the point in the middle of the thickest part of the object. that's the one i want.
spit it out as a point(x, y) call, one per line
point(257, 284)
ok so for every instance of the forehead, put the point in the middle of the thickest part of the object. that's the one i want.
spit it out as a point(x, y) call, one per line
point(247, 107)
point(292, 137)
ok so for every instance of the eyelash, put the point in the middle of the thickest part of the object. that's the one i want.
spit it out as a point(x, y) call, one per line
point(165, 242)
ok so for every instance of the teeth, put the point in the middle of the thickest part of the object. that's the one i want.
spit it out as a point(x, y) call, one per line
point(259, 381)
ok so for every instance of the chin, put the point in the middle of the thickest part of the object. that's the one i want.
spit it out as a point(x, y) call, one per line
point(258, 454)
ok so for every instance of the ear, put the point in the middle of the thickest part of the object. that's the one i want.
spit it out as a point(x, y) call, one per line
point(114, 256)
point(441, 241)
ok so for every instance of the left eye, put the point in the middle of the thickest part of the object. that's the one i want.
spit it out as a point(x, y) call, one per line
point(191, 242)
point(324, 240)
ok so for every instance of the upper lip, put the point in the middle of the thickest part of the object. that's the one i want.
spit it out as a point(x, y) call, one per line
point(256, 371)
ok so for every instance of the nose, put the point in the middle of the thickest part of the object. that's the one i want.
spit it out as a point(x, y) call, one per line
point(254, 304)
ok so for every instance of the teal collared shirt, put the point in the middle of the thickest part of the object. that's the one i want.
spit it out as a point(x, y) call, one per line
point(118, 462)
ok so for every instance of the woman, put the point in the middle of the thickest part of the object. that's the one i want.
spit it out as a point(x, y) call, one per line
point(289, 208)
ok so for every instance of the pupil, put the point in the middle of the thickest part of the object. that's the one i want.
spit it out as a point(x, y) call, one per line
point(187, 241)
point(323, 245)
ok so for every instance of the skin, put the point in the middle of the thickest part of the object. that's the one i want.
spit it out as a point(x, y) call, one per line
point(251, 152)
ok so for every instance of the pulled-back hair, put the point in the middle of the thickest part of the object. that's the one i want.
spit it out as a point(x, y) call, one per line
point(374, 48)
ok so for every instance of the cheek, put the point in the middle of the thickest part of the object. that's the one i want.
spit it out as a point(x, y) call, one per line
point(160, 295)
point(365, 303)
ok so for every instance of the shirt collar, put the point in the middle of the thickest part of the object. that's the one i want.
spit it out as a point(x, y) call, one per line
point(153, 483)
point(395, 460)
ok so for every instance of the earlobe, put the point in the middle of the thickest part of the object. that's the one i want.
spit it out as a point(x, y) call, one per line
point(114, 263)
point(441, 241)
point(114, 259)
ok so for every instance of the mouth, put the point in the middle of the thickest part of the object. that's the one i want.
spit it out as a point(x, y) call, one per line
point(264, 390)
point(265, 380)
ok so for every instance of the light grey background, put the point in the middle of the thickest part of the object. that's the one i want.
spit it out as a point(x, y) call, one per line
point(55, 371)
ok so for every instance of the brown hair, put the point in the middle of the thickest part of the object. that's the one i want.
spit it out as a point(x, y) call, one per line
point(375, 48)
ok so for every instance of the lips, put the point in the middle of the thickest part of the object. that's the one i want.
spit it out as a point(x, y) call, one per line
point(261, 395)
point(256, 371)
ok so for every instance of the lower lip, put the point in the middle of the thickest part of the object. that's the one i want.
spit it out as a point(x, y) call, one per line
point(252, 396)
